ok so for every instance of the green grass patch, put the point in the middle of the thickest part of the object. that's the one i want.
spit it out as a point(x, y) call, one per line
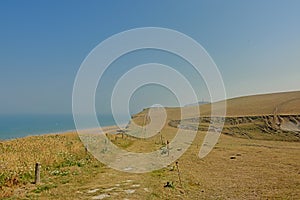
point(42, 188)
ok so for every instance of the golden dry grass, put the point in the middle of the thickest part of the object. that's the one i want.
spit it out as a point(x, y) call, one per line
point(260, 170)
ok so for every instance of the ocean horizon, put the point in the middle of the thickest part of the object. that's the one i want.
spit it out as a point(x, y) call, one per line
point(22, 125)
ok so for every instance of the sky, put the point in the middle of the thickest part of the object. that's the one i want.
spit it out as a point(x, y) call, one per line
point(255, 44)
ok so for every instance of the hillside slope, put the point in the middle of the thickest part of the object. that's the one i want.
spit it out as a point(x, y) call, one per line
point(268, 116)
point(286, 103)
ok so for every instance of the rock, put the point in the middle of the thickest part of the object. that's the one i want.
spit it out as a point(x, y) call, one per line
point(136, 185)
point(129, 191)
point(128, 169)
point(109, 189)
point(92, 191)
point(101, 196)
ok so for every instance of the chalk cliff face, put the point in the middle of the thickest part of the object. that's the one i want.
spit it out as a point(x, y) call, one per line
point(277, 127)
point(288, 123)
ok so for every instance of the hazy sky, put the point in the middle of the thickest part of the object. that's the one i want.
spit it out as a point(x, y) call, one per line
point(255, 44)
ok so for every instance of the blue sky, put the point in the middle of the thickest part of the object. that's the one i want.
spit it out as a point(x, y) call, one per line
point(255, 44)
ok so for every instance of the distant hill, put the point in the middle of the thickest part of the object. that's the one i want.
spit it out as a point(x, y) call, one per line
point(199, 103)
point(285, 103)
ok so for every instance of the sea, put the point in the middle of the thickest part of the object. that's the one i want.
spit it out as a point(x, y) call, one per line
point(16, 126)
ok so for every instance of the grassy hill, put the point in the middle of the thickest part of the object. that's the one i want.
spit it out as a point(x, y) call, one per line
point(287, 103)
point(259, 162)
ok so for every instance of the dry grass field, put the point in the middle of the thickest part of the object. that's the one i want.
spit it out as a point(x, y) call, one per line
point(260, 165)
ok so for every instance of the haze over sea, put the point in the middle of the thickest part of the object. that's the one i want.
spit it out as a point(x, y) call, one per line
point(16, 126)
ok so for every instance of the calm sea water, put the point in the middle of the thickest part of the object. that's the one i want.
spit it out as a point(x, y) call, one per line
point(15, 126)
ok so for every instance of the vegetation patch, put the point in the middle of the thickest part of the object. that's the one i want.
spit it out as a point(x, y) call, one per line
point(42, 188)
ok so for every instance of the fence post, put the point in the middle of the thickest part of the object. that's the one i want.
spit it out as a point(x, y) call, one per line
point(161, 139)
point(168, 147)
point(178, 172)
point(37, 173)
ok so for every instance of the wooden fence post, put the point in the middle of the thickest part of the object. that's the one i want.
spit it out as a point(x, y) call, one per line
point(161, 139)
point(37, 173)
point(168, 147)
point(178, 172)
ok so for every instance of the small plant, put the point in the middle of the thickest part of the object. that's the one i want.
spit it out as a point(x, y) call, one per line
point(26, 177)
point(3, 179)
point(59, 173)
point(157, 173)
point(169, 185)
point(42, 188)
